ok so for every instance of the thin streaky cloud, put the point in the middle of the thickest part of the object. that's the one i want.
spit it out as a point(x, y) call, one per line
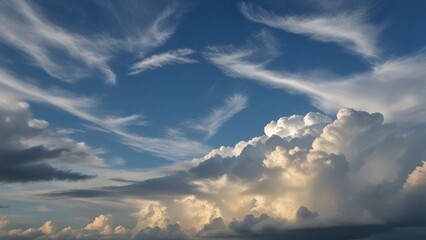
point(24, 28)
point(400, 78)
point(70, 56)
point(178, 56)
point(218, 116)
point(348, 29)
point(85, 109)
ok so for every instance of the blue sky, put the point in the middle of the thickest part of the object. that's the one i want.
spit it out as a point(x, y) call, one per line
point(146, 91)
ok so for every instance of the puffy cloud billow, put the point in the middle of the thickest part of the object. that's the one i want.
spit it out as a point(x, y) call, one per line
point(308, 177)
point(30, 151)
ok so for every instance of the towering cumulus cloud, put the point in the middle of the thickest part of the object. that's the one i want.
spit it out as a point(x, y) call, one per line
point(307, 177)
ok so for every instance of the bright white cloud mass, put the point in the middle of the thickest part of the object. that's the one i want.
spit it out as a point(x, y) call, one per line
point(327, 140)
point(305, 172)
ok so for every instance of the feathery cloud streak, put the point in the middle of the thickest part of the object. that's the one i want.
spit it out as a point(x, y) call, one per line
point(84, 108)
point(399, 81)
point(218, 116)
point(178, 56)
point(70, 56)
point(350, 29)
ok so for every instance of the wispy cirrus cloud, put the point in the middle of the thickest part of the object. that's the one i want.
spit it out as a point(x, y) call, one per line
point(373, 90)
point(87, 109)
point(70, 56)
point(218, 116)
point(178, 56)
point(348, 29)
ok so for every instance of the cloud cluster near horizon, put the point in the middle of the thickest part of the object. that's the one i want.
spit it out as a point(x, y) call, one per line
point(306, 172)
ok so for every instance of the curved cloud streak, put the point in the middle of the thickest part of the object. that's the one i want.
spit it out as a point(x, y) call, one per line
point(178, 56)
point(350, 30)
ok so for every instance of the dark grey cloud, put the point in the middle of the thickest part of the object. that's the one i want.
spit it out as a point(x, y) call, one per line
point(156, 188)
point(170, 232)
point(304, 213)
point(27, 166)
point(31, 152)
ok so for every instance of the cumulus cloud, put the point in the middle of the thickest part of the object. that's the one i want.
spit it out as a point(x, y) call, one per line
point(179, 56)
point(32, 152)
point(24, 27)
point(348, 29)
point(100, 228)
point(308, 176)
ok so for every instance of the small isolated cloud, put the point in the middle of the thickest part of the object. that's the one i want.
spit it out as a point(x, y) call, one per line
point(179, 56)
point(349, 29)
point(218, 116)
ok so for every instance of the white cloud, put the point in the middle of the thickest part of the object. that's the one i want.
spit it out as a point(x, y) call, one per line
point(218, 116)
point(71, 56)
point(87, 109)
point(353, 171)
point(399, 79)
point(26, 29)
point(349, 29)
point(178, 56)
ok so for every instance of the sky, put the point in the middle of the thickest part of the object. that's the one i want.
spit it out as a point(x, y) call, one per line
point(212, 119)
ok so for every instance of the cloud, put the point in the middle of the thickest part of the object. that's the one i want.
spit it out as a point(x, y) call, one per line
point(71, 56)
point(308, 176)
point(348, 29)
point(172, 231)
point(178, 56)
point(87, 109)
point(30, 151)
point(372, 90)
point(218, 116)
point(100, 228)
point(26, 29)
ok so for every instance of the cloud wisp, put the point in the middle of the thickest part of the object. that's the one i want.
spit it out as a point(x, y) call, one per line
point(399, 79)
point(86, 109)
point(350, 30)
point(179, 56)
point(218, 116)
point(71, 56)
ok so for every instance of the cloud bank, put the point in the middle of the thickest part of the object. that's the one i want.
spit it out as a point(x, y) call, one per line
point(308, 176)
